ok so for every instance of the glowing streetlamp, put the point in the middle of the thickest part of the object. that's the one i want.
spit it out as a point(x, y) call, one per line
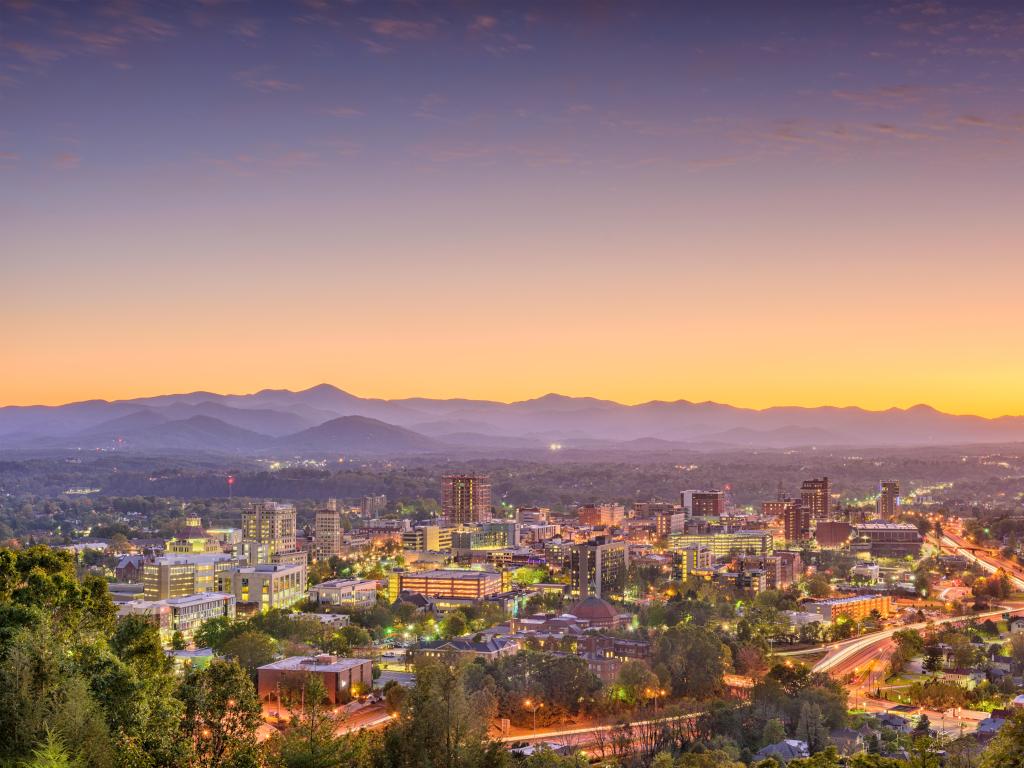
point(533, 706)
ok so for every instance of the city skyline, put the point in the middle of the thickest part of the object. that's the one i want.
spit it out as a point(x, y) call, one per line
point(761, 206)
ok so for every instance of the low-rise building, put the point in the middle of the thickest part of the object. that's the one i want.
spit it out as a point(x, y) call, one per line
point(345, 593)
point(342, 678)
point(181, 614)
point(857, 607)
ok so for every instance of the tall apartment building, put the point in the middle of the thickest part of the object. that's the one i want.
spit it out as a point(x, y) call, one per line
point(774, 507)
point(373, 506)
point(599, 568)
point(888, 504)
point(703, 503)
point(600, 515)
point(796, 521)
point(816, 497)
point(182, 575)
point(270, 523)
point(466, 499)
point(267, 585)
point(326, 534)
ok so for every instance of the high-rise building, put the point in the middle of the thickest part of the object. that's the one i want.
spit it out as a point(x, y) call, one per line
point(466, 499)
point(703, 503)
point(271, 524)
point(373, 506)
point(599, 568)
point(774, 508)
point(326, 533)
point(888, 504)
point(816, 496)
point(796, 521)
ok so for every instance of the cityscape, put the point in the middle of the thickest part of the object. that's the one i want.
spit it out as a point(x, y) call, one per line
point(511, 384)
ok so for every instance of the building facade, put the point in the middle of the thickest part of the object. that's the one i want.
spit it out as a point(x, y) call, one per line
point(466, 499)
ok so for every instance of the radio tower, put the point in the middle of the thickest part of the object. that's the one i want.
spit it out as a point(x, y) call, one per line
point(779, 495)
point(231, 484)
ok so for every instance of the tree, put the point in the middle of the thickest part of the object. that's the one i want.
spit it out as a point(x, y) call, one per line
point(178, 641)
point(454, 625)
point(213, 633)
point(1006, 750)
point(635, 680)
point(811, 728)
point(694, 659)
point(221, 715)
point(51, 753)
point(251, 649)
point(310, 742)
point(774, 732)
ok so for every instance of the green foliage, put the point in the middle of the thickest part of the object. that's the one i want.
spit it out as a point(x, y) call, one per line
point(251, 649)
point(221, 715)
point(690, 660)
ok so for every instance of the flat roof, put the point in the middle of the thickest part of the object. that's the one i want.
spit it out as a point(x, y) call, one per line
point(335, 583)
point(452, 574)
point(842, 600)
point(199, 597)
point(314, 664)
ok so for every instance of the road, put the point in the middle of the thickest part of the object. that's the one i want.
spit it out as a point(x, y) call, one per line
point(990, 562)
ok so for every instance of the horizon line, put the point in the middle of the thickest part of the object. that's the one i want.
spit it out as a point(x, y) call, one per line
point(324, 384)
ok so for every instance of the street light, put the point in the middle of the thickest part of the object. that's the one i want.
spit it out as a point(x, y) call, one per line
point(533, 706)
point(655, 693)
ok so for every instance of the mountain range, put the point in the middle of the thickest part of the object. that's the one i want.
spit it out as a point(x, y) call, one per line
point(325, 420)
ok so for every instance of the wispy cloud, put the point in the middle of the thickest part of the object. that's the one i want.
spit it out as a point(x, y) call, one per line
point(403, 29)
point(343, 112)
point(66, 161)
point(264, 80)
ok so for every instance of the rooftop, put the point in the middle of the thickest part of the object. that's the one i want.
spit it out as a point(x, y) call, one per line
point(322, 663)
point(445, 573)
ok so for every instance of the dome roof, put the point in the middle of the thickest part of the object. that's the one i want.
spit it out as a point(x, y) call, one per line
point(594, 609)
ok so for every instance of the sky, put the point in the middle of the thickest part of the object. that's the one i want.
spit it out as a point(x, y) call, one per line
point(759, 203)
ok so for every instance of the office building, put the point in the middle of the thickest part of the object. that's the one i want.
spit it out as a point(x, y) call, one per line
point(447, 583)
point(345, 593)
point(466, 499)
point(532, 515)
point(489, 536)
point(723, 544)
point(428, 538)
point(816, 497)
point(342, 678)
point(775, 508)
point(599, 568)
point(883, 539)
point(181, 614)
point(703, 503)
point(600, 515)
point(270, 523)
point(182, 575)
point(669, 521)
point(692, 560)
point(326, 534)
point(888, 504)
point(857, 608)
point(267, 585)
